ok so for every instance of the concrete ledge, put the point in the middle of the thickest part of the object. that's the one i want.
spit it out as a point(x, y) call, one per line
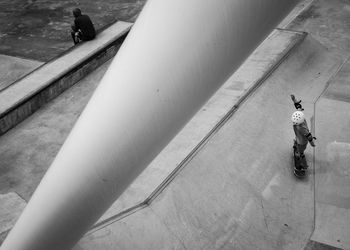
point(29, 93)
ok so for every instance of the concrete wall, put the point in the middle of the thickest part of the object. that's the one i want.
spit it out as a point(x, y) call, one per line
point(34, 101)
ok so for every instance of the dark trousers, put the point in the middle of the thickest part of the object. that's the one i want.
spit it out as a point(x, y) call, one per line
point(301, 148)
point(76, 36)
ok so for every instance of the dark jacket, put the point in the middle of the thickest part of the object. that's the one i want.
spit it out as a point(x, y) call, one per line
point(83, 22)
point(300, 133)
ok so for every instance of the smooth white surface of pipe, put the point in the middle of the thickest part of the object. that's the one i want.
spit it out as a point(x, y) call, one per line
point(176, 56)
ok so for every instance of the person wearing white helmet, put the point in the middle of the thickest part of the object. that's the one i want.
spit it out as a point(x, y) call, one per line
point(302, 133)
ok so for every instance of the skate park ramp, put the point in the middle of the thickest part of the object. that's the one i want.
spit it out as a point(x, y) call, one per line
point(28, 155)
point(238, 190)
point(332, 182)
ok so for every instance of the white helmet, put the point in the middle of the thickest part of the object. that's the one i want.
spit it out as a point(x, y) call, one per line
point(298, 117)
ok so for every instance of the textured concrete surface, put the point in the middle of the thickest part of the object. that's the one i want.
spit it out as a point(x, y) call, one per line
point(27, 150)
point(30, 147)
point(238, 191)
point(246, 78)
point(13, 68)
point(40, 29)
point(328, 22)
point(258, 163)
point(333, 163)
point(28, 94)
point(309, 85)
point(11, 207)
point(313, 245)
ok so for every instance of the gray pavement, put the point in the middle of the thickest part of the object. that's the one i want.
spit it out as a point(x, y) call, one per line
point(27, 150)
point(10, 209)
point(196, 211)
point(54, 121)
point(238, 191)
point(225, 102)
point(328, 22)
point(33, 32)
point(13, 68)
point(40, 30)
point(333, 163)
point(26, 95)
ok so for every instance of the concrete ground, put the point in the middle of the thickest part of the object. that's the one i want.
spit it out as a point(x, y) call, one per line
point(27, 150)
point(332, 179)
point(329, 23)
point(34, 32)
point(13, 68)
point(238, 191)
point(40, 30)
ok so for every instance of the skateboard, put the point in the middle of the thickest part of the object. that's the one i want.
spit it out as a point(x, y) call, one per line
point(300, 165)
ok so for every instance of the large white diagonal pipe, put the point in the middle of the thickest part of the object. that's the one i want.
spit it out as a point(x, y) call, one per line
point(176, 56)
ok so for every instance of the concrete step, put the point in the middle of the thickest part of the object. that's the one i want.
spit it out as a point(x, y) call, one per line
point(28, 94)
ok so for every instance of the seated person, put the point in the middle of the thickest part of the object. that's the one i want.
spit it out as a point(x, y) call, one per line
point(83, 29)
